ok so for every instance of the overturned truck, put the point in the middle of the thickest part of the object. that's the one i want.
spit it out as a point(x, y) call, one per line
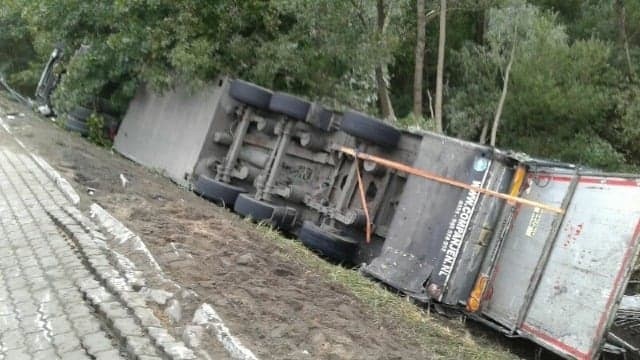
point(532, 248)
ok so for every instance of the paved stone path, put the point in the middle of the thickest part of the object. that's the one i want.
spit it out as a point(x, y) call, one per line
point(59, 295)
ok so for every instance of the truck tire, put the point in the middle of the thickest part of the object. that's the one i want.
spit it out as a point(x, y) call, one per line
point(250, 94)
point(76, 125)
point(370, 129)
point(80, 113)
point(289, 105)
point(261, 211)
point(333, 246)
point(217, 191)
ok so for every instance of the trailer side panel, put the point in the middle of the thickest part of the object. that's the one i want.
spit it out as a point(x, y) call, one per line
point(587, 268)
point(558, 278)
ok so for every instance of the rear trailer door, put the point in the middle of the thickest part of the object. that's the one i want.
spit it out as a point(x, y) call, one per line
point(168, 131)
point(558, 278)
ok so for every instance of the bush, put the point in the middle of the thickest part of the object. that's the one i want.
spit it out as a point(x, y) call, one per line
point(97, 134)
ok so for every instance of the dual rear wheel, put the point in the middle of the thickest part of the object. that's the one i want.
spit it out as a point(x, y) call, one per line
point(327, 243)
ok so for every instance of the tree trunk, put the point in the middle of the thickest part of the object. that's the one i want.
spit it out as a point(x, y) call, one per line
point(503, 96)
point(623, 40)
point(484, 133)
point(440, 69)
point(430, 104)
point(418, 74)
point(386, 107)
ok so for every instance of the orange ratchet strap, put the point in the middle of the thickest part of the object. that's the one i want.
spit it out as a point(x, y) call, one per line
point(363, 199)
point(424, 174)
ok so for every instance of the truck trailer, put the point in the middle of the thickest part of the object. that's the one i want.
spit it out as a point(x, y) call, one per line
point(532, 248)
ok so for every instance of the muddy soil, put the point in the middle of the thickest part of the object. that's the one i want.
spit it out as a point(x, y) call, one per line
point(277, 309)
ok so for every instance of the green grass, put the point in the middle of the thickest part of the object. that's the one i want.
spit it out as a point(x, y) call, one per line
point(444, 339)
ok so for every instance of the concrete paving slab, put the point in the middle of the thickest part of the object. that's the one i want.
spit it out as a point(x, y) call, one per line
point(60, 297)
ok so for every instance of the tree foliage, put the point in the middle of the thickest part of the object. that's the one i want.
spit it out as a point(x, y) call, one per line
point(562, 96)
point(17, 54)
point(573, 90)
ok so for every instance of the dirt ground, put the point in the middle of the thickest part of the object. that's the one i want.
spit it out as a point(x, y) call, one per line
point(276, 304)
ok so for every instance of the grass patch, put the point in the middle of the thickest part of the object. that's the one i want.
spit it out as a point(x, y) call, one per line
point(434, 335)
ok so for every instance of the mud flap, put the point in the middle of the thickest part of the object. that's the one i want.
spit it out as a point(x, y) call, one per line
point(402, 271)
